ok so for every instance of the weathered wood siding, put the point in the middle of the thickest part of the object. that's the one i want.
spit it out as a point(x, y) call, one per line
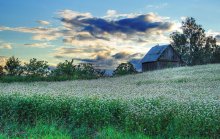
point(169, 58)
point(149, 66)
point(169, 55)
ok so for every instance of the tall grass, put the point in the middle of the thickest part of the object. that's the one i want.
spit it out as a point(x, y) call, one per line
point(182, 102)
point(151, 117)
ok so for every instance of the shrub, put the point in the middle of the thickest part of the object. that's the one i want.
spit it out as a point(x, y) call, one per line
point(125, 68)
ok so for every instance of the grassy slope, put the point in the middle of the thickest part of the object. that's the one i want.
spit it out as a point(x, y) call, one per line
point(172, 102)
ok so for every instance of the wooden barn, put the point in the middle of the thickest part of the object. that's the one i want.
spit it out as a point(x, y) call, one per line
point(160, 57)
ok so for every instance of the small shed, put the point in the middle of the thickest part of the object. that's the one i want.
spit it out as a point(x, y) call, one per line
point(160, 57)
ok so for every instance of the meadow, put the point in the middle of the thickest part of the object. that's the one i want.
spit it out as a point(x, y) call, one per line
point(171, 103)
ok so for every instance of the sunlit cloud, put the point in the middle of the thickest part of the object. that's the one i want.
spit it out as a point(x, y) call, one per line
point(5, 45)
point(43, 22)
point(3, 60)
point(39, 33)
point(104, 41)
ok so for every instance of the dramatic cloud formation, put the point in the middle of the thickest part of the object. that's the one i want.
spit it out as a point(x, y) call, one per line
point(124, 34)
point(104, 41)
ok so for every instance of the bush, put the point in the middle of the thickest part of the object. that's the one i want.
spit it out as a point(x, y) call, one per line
point(36, 68)
point(125, 68)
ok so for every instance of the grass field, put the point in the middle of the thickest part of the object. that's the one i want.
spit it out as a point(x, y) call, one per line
point(171, 103)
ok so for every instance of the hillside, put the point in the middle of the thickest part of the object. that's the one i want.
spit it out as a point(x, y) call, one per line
point(182, 84)
point(179, 102)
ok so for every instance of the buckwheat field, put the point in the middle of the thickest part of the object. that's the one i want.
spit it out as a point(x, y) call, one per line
point(182, 101)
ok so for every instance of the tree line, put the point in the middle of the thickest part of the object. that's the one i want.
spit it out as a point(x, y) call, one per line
point(36, 70)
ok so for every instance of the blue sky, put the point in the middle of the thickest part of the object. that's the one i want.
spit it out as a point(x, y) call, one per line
point(107, 32)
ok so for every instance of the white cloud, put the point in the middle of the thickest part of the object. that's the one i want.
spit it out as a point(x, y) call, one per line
point(111, 13)
point(4, 45)
point(43, 22)
point(3, 60)
point(69, 14)
point(89, 44)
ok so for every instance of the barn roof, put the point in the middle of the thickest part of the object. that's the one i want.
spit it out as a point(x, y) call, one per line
point(154, 53)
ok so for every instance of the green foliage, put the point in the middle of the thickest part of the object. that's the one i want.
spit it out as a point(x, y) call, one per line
point(153, 117)
point(125, 68)
point(65, 69)
point(36, 68)
point(1, 71)
point(39, 131)
point(86, 71)
point(193, 45)
point(112, 133)
point(80, 71)
point(13, 66)
point(216, 55)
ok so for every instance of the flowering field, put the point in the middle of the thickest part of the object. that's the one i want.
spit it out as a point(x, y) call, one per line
point(172, 102)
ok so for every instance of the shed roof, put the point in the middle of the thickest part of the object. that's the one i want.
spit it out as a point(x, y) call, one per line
point(154, 53)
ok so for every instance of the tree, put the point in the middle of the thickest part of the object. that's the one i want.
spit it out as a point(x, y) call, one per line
point(85, 71)
point(192, 44)
point(1, 71)
point(124, 68)
point(13, 66)
point(64, 69)
point(36, 68)
point(216, 55)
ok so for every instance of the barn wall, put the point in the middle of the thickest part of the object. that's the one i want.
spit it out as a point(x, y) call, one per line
point(169, 55)
point(159, 65)
point(169, 58)
point(167, 64)
point(149, 66)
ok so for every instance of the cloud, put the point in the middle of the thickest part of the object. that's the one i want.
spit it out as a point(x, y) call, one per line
point(42, 22)
point(214, 34)
point(100, 57)
point(105, 41)
point(218, 39)
point(39, 33)
point(100, 26)
point(38, 45)
point(111, 13)
point(3, 60)
point(5, 45)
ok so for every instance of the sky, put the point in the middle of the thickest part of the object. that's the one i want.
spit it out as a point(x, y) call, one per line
point(102, 32)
